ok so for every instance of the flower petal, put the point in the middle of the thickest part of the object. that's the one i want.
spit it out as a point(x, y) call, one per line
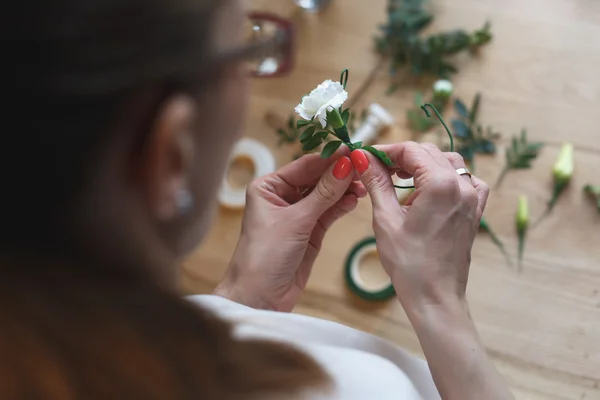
point(325, 97)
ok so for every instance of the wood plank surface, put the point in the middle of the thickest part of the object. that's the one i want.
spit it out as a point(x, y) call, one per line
point(541, 326)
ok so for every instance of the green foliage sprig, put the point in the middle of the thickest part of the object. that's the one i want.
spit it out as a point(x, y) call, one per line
point(472, 137)
point(400, 40)
point(313, 135)
point(519, 155)
point(442, 90)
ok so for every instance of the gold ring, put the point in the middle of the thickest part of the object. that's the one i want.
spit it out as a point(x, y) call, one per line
point(463, 171)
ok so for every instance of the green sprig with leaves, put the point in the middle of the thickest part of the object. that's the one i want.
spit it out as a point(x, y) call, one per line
point(316, 130)
point(417, 121)
point(519, 155)
point(401, 42)
point(471, 136)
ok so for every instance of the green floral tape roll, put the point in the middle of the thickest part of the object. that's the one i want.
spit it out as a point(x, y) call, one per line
point(354, 280)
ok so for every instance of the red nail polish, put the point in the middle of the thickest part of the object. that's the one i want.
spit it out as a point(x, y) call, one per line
point(360, 161)
point(342, 168)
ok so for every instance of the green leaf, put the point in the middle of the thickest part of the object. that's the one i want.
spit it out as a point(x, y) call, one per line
point(418, 100)
point(380, 155)
point(307, 134)
point(534, 147)
point(461, 109)
point(312, 144)
point(291, 122)
point(322, 134)
point(475, 108)
point(357, 145)
point(460, 129)
point(331, 148)
point(593, 190)
point(302, 122)
point(346, 116)
point(520, 154)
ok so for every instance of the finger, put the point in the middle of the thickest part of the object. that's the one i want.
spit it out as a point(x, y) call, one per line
point(308, 169)
point(344, 206)
point(358, 189)
point(329, 190)
point(437, 154)
point(421, 162)
point(458, 162)
point(483, 192)
point(377, 180)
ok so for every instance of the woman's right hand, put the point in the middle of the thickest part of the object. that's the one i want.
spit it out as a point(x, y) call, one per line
point(425, 246)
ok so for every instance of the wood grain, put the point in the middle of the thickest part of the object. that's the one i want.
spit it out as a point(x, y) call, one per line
point(541, 326)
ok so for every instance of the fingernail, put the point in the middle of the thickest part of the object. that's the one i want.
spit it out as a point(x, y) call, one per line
point(360, 161)
point(342, 168)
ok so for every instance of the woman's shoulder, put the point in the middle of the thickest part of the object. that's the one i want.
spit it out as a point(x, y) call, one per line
point(361, 365)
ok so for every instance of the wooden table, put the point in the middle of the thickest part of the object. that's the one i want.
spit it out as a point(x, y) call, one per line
point(541, 326)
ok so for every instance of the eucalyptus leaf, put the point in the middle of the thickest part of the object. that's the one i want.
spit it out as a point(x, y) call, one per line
point(461, 108)
point(302, 122)
point(313, 143)
point(380, 155)
point(331, 148)
point(307, 134)
point(460, 129)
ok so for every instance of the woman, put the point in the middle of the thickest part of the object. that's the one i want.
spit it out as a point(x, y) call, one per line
point(126, 112)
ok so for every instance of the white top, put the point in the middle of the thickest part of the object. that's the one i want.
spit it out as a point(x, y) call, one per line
point(362, 366)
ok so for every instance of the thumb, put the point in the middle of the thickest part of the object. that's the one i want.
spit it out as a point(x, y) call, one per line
point(377, 180)
point(330, 189)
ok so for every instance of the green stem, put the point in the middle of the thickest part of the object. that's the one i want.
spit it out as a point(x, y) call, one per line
point(558, 188)
point(502, 176)
point(437, 113)
point(521, 234)
point(556, 191)
point(344, 78)
point(445, 126)
point(486, 227)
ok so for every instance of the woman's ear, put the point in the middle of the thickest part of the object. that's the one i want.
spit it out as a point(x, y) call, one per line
point(166, 158)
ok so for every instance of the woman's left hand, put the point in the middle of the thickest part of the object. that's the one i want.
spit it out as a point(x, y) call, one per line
point(286, 218)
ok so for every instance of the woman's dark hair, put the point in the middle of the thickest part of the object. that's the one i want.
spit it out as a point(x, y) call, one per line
point(66, 330)
point(76, 67)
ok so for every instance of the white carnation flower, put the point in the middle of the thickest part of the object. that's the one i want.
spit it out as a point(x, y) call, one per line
point(326, 97)
point(443, 88)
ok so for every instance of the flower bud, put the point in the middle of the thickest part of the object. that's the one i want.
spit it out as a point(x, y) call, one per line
point(594, 192)
point(335, 119)
point(442, 89)
point(563, 168)
point(522, 214)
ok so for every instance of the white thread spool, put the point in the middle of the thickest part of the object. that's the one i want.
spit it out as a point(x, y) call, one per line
point(263, 162)
point(378, 119)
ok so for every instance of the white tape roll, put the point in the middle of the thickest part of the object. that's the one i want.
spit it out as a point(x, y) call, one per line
point(378, 118)
point(403, 194)
point(264, 164)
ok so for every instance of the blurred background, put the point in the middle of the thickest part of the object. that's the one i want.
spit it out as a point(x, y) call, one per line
point(541, 324)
